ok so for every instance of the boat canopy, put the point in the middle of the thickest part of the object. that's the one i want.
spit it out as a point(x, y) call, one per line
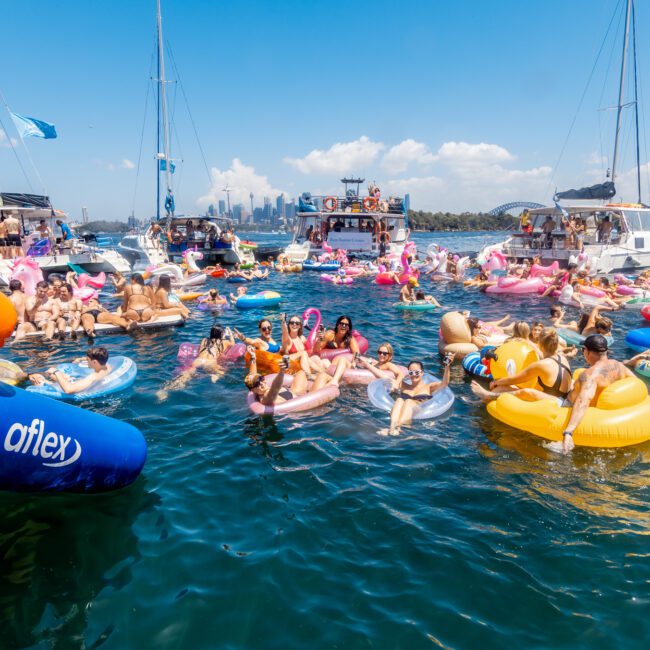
point(601, 191)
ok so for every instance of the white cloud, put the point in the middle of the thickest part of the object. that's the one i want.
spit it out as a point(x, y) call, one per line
point(399, 156)
point(127, 164)
point(466, 154)
point(340, 158)
point(242, 180)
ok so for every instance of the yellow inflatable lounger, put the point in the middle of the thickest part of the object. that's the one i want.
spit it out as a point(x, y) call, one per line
point(620, 418)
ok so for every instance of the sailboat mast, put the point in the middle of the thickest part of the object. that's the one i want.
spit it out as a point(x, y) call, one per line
point(163, 103)
point(636, 110)
point(158, 127)
point(621, 88)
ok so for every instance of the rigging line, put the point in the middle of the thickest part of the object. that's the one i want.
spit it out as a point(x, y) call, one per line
point(584, 92)
point(13, 148)
point(636, 108)
point(144, 122)
point(187, 104)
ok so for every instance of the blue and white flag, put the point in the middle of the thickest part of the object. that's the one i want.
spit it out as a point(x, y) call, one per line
point(30, 127)
point(565, 214)
point(163, 166)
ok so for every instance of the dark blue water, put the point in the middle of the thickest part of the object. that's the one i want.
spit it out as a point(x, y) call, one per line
point(314, 531)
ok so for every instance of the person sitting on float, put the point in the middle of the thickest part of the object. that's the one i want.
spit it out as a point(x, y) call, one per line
point(339, 338)
point(97, 359)
point(208, 359)
point(294, 344)
point(407, 293)
point(420, 296)
point(409, 395)
point(241, 291)
point(552, 372)
point(276, 393)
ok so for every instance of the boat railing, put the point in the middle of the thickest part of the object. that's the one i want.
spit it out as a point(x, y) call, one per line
point(353, 204)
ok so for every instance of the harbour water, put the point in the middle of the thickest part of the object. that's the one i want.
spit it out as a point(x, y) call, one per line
point(313, 530)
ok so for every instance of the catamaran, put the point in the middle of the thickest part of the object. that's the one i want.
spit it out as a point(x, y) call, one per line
point(363, 225)
point(52, 253)
point(611, 236)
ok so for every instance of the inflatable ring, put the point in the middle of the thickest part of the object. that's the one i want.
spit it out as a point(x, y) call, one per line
point(122, 375)
point(268, 363)
point(440, 402)
point(304, 402)
point(10, 373)
point(618, 419)
point(370, 203)
point(262, 299)
point(330, 203)
point(416, 305)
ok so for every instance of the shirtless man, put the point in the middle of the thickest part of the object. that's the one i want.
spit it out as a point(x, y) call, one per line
point(13, 236)
point(601, 373)
point(97, 360)
point(92, 312)
point(407, 292)
point(42, 310)
point(3, 237)
point(70, 312)
point(154, 234)
point(138, 301)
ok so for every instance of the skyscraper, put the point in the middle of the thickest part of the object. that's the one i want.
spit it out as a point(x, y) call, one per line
point(222, 207)
point(238, 213)
point(280, 206)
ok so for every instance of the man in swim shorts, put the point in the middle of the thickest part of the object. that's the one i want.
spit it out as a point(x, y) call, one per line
point(602, 372)
point(97, 360)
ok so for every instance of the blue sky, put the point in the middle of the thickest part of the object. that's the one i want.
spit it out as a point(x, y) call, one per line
point(465, 104)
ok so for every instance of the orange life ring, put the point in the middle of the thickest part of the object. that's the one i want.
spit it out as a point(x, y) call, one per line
point(370, 203)
point(330, 203)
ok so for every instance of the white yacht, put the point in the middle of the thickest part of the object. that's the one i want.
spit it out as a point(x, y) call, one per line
point(351, 222)
point(52, 254)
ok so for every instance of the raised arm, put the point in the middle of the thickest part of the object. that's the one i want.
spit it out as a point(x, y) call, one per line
point(274, 389)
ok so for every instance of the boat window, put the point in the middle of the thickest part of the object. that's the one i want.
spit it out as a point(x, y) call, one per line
point(638, 220)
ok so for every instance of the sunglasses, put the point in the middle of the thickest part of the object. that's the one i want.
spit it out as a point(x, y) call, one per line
point(344, 324)
point(383, 352)
point(258, 382)
point(415, 373)
point(297, 323)
point(267, 328)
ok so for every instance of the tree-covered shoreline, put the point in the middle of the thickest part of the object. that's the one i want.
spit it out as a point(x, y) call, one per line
point(465, 221)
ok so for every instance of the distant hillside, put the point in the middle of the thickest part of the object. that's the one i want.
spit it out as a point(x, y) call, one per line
point(104, 226)
point(445, 221)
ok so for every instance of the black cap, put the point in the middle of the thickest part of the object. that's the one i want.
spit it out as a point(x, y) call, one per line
point(596, 343)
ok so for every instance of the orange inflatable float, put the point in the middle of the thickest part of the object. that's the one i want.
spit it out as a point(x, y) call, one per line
point(8, 318)
point(268, 363)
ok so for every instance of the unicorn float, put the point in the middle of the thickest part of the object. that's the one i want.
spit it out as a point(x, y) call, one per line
point(28, 272)
point(178, 278)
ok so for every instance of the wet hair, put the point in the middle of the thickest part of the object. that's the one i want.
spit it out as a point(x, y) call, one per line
point(262, 321)
point(549, 341)
point(596, 343)
point(556, 310)
point(521, 330)
point(137, 278)
point(214, 342)
point(419, 295)
point(15, 285)
point(582, 321)
point(603, 323)
point(415, 362)
point(473, 323)
point(164, 282)
point(348, 337)
point(42, 285)
point(99, 354)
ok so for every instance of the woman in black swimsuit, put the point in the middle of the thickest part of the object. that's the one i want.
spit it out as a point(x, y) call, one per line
point(340, 338)
point(410, 395)
point(552, 373)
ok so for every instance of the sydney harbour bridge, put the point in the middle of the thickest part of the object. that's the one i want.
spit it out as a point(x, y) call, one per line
point(514, 205)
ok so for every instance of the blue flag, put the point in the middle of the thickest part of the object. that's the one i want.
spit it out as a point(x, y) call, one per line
point(30, 127)
point(565, 214)
point(163, 166)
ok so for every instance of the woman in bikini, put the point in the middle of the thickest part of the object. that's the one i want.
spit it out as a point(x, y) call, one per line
point(383, 367)
point(408, 395)
point(340, 338)
point(265, 341)
point(552, 372)
point(138, 301)
point(161, 301)
point(92, 312)
point(294, 344)
point(208, 359)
